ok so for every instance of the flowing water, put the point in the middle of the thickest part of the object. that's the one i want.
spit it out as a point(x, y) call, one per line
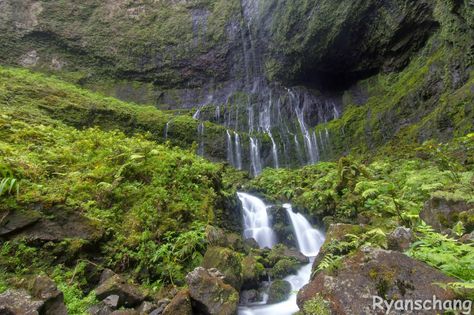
point(310, 240)
point(256, 221)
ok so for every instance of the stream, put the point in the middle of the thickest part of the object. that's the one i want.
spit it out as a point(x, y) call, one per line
point(257, 225)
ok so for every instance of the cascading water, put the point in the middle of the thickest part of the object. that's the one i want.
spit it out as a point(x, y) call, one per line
point(309, 241)
point(238, 152)
point(256, 221)
point(256, 163)
point(274, 123)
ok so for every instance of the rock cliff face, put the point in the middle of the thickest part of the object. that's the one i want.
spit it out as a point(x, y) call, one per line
point(269, 71)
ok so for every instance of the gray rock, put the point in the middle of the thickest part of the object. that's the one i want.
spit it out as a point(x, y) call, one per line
point(180, 304)
point(129, 295)
point(212, 295)
point(17, 221)
point(400, 239)
point(279, 291)
point(46, 290)
point(443, 213)
point(19, 302)
point(146, 307)
point(375, 272)
point(112, 301)
point(105, 275)
point(100, 309)
point(249, 296)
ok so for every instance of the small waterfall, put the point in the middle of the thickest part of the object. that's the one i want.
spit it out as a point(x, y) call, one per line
point(238, 152)
point(274, 150)
point(256, 163)
point(256, 221)
point(230, 149)
point(309, 239)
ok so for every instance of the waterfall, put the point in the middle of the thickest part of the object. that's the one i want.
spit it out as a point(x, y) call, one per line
point(230, 149)
point(256, 221)
point(309, 239)
point(274, 150)
point(238, 152)
point(256, 163)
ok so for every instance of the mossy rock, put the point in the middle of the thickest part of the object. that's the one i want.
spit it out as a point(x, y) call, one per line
point(279, 291)
point(252, 272)
point(227, 261)
point(284, 268)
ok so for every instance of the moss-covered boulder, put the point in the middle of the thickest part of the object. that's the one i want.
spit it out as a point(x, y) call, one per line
point(210, 294)
point(443, 212)
point(284, 267)
point(180, 304)
point(375, 272)
point(252, 272)
point(279, 291)
point(227, 261)
point(280, 252)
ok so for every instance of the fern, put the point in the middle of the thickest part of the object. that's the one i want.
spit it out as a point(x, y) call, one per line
point(8, 183)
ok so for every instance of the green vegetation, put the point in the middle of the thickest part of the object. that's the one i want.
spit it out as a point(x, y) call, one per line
point(317, 306)
point(383, 193)
point(144, 206)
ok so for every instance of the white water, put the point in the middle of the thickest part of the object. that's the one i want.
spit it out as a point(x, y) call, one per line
point(256, 221)
point(238, 152)
point(309, 240)
point(255, 162)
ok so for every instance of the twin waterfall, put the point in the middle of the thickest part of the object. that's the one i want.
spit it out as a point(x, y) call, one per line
point(257, 225)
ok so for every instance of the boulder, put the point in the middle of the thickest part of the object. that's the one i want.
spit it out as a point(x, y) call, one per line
point(249, 296)
point(280, 291)
point(400, 239)
point(210, 294)
point(336, 232)
point(218, 237)
point(19, 302)
point(375, 272)
point(443, 212)
point(227, 262)
point(100, 309)
point(112, 301)
point(282, 226)
point(280, 252)
point(284, 267)
point(129, 295)
point(180, 304)
point(16, 221)
point(252, 272)
point(53, 300)
point(105, 275)
point(65, 225)
point(146, 307)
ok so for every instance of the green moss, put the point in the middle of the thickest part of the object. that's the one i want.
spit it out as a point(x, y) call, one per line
point(279, 291)
point(316, 306)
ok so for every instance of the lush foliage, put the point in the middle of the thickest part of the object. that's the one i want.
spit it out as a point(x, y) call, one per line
point(445, 253)
point(146, 204)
